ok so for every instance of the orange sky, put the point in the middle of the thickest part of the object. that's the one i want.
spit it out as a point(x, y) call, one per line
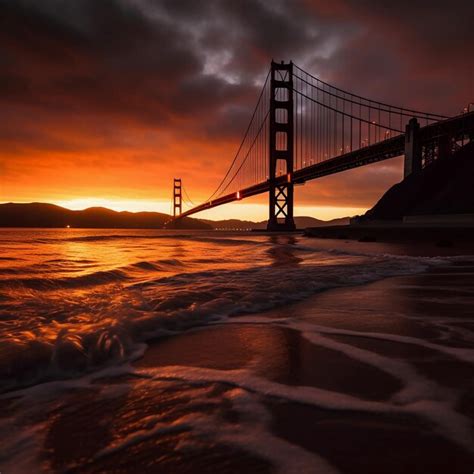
point(137, 174)
point(104, 103)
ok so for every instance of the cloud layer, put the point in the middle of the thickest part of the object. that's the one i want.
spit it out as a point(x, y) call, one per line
point(114, 97)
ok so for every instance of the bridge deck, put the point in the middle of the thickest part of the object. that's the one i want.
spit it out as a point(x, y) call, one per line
point(457, 127)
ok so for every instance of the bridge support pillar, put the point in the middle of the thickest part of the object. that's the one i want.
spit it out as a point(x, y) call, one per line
point(444, 147)
point(413, 155)
point(281, 148)
point(177, 197)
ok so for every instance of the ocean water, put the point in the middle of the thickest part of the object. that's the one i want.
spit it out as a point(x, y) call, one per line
point(80, 305)
point(74, 300)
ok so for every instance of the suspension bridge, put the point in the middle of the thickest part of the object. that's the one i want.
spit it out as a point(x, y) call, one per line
point(303, 128)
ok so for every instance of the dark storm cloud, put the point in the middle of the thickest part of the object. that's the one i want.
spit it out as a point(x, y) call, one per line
point(165, 61)
point(151, 62)
point(99, 56)
point(415, 53)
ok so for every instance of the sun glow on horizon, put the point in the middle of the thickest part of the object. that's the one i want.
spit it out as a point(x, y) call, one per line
point(246, 211)
point(131, 205)
point(259, 212)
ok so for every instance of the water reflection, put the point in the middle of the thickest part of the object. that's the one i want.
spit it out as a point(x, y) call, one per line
point(283, 251)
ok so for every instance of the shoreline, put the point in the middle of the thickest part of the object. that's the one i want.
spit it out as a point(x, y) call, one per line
point(435, 236)
point(349, 439)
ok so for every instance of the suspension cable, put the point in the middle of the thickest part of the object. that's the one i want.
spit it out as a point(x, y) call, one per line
point(421, 115)
point(345, 113)
point(248, 152)
point(187, 196)
point(370, 100)
point(243, 139)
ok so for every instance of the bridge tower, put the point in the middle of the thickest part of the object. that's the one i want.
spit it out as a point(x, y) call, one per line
point(281, 147)
point(413, 152)
point(177, 197)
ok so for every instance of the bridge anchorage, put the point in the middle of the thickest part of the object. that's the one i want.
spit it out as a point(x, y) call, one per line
point(303, 128)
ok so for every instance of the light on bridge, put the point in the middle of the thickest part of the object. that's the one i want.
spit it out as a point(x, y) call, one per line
point(238, 194)
point(288, 177)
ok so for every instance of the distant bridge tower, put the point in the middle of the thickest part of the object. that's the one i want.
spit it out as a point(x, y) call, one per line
point(177, 197)
point(281, 147)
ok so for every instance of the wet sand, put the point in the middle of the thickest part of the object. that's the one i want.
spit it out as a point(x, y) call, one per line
point(351, 441)
point(244, 396)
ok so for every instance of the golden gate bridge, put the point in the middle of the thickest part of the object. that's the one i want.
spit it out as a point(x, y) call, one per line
point(303, 128)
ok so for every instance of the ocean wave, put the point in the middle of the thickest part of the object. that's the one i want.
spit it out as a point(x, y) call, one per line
point(65, 261)
point(223, 240)
point(45, 283)
point(147, 266)
point(59, 324)
point(77, 334)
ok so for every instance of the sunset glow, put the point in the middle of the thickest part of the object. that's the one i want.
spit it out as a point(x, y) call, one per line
point(108, 113)
point(238, 210)
point(236, 236)
point(116, 204)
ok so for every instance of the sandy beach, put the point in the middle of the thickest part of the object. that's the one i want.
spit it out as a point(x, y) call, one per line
point(352, 441)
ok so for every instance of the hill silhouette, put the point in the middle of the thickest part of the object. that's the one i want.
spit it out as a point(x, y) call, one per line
point(49, 215)
point(301, 222)
point(444, 187)
point(45, 215)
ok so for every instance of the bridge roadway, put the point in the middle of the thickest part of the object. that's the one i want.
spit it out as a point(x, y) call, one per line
point(459, 127)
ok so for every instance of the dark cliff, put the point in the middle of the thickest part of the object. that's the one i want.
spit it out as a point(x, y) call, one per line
point(445, 187)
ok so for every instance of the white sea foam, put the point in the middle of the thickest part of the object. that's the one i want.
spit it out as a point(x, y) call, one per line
point(439, 412)
point(251, 434)
point(460, 353)
point(419, 397)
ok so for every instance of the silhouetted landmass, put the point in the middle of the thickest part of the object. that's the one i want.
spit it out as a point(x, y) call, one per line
point(434, 207)
point(445, 187)
point(50, 215)
point(301, 223)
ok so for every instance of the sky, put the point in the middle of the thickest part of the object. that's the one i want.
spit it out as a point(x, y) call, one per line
point(105, 102)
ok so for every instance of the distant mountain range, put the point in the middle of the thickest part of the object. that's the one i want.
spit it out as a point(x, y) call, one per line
point(301, 223)
point(38, 214)
point(51, 216)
